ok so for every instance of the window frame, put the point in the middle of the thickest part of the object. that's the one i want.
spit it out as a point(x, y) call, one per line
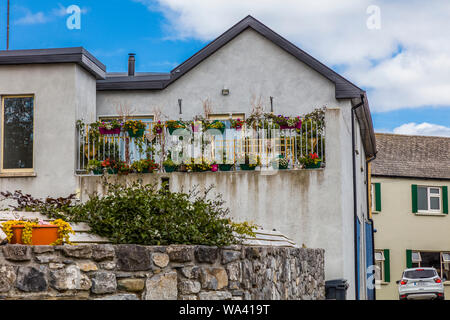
point(24, 170)
point(441, 261)
point(380, 264)
point(429, 196)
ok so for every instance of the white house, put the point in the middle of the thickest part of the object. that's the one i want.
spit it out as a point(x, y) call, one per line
point(45, 92)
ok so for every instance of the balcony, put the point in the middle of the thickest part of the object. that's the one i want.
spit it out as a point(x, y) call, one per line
point(260, 144)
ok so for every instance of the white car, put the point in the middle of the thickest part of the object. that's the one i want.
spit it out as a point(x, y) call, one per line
point(420, 284)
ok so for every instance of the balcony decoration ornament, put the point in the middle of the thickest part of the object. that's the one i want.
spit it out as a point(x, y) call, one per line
point(311, 161)
point(215, 124)
point(111, 166)
point(158, 128)
point(237, 124)
point(135, 128)
point(173, 125)
point(109, 127)
point(95, 166)
point(144, 166)
point(37, 232)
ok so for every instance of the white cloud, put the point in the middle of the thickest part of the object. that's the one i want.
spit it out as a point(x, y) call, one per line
point(32, 18)
point(406, 63)
point(423, 129)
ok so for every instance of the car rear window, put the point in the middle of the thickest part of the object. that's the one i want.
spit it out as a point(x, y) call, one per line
point(420, 274)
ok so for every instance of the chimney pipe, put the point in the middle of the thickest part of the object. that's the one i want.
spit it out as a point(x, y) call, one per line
point(131, 64)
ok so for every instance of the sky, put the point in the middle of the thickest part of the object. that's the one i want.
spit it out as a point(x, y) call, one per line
point(396, 50)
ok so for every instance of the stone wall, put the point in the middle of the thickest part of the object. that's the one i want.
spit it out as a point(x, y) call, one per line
point(131, 272)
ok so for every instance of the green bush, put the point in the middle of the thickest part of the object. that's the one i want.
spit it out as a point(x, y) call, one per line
point(146, 215)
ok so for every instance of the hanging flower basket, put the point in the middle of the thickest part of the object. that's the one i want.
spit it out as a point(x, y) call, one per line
point(105, 131)
point(136, 134)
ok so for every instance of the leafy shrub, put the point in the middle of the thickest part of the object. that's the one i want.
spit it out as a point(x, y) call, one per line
point(143, 214)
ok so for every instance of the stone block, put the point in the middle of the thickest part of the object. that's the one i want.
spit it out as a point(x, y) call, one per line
point(133, 258)
point(103, 282)
point(181, 253)
point(215, 295)
point(187, 287)
point(103, 252)
point(80, 251)
point(120, 296)
point(17, 252)
point(162, 287)
point(7, 277)
point(31, 279)
point(206, 254)
point(133, 285)
point(160, 259)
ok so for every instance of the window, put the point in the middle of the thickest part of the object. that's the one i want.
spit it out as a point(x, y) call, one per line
point(379, 262)
point(438, 260)
point(429, 199)
point(375, 196)
point(17, 133)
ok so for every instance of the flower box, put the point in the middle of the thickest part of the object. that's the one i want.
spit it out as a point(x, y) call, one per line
point(42, 235)
point(226, 166)
point(105, 131)
point(113, 170)
point(248, 167)
point(170, 168)
point(313, 166)
point(97, 171)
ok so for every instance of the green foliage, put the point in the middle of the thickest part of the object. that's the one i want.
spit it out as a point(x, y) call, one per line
point(143, 214)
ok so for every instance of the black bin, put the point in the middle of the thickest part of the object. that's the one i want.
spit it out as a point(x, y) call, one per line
point(336, 289)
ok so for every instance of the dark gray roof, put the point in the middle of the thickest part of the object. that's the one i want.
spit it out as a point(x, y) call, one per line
point(412, 156)
point(77, 55)
point(344, 88)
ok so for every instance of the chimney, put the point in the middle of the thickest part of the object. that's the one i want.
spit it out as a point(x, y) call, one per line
point(131, 64)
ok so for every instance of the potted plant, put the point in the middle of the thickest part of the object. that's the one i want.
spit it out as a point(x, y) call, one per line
point(214, 167)
point(95, 166)
point(173, 125)
point(199, 165)
point(216, 124)
point(109, 127)
point(225, 166)
point(280, 163)
point(311, 161)
point(123, 168)
point(158, 128)
point(111, 166)
point(144, 166)
point(169, 165)
point(287, 122)
point(37, 232)
point(250, 162)
point(237, 124)
point(135, 128)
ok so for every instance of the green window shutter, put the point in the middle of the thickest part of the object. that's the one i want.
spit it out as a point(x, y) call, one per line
point(408, 258)
point(387, 266)
point(377, 197)
point(445, 199)
point(414, 197)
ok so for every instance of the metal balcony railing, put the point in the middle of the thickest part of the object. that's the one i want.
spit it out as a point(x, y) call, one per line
point(263, 140)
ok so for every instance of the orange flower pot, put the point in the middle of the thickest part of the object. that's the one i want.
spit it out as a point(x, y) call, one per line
point(41, 236)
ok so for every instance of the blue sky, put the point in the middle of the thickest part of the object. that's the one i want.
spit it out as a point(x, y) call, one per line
point(163, 33)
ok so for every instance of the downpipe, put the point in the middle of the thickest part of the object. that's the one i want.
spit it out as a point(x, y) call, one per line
point(355, 202)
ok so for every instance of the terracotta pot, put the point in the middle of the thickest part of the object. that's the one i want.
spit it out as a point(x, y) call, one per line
point(42, 235)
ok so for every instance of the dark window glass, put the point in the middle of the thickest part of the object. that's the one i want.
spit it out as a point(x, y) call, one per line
point(422, 198)
point(420, 274)
point(18, 133)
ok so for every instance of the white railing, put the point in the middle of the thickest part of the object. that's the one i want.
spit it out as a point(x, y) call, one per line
point(263, 141)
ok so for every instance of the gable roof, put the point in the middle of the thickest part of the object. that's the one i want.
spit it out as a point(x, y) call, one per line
point(77, 55)
point(344, 88)
point(412, 156)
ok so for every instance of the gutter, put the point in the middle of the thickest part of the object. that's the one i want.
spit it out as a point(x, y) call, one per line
point(370, 219)
point(355, 204)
